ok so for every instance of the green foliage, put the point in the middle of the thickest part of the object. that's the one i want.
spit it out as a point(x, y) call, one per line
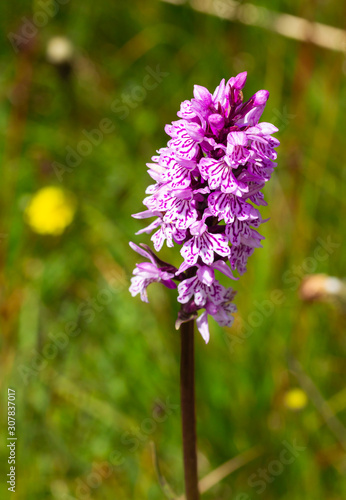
point(109, 364)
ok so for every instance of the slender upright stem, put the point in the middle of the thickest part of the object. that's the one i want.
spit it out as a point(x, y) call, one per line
point(188, 414)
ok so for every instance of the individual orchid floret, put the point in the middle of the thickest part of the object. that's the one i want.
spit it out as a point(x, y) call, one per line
point(150, 272)
point(222, 312)
point(219, 175)
point(240, 232)
point(237, 152)
point(202, 287)
point(204, 245)
point(169, 233)
point(229, 208)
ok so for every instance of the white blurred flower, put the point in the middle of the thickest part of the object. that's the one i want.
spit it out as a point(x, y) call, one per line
point(59, 50)
point(321, 287)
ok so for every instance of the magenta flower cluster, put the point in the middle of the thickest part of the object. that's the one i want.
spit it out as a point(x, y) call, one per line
point(207, 181)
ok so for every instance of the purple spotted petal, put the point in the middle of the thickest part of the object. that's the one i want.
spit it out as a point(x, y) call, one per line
point(229, 207)
point(205, 246)
point(237, 153)
point(182, 213)
point(220, 176)
point(202, 325)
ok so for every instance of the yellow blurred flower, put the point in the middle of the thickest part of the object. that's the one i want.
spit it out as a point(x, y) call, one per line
point(50, 211)
point(295, 399)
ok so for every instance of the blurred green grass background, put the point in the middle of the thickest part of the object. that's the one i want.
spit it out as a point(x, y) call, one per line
point(80, 405)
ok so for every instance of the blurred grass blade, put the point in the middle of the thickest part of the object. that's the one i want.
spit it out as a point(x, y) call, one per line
point(227, 468)
point(165, 487)
point(217, 475)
